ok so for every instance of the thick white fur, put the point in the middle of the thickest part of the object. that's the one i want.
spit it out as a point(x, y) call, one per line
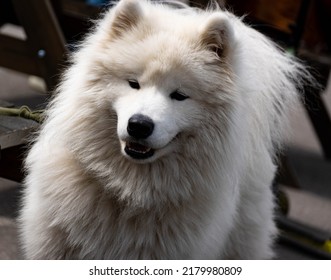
point(206, 193)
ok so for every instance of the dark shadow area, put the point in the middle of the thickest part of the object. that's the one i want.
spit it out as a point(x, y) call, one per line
point(312, 172)
point(9, 201)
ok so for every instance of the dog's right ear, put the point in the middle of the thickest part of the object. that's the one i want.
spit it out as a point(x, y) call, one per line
point(126, 15)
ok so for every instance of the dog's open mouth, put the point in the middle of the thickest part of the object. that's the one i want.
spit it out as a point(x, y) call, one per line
point(138, 151)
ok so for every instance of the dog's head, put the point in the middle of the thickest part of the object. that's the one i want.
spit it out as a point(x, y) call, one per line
point(168, 70)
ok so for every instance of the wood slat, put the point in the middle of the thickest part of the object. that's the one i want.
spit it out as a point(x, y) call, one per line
point(19, 62)
point(14, 131)
point(14, 44)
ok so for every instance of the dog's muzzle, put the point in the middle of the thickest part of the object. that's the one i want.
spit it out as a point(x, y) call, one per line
point(139, 127)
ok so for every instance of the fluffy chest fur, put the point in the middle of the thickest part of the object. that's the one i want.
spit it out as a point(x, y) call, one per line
point(148, 222)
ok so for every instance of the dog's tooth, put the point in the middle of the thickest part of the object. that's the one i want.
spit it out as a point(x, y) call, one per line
point(136, 147)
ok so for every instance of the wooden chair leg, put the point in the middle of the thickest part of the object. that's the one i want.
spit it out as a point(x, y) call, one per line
point(45, 39)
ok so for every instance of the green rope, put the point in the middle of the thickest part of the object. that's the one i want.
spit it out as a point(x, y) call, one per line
point(23, 112)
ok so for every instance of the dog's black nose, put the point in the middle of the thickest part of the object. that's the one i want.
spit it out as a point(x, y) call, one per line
point(140, 126)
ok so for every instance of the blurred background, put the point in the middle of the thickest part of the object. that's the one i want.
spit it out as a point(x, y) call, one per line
point(36, 37)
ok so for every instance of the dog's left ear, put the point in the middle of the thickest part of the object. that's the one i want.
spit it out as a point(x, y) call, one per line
point(217, 34)
point(127, 15)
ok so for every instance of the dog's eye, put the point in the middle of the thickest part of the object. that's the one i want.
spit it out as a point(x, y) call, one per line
point(177, 95)
point(134, 84)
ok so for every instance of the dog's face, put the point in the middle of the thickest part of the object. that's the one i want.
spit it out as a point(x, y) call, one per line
point(163, 79)
point(157, 102)
point(152, 114)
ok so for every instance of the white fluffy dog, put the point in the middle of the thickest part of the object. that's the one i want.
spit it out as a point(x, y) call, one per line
point(161, 140)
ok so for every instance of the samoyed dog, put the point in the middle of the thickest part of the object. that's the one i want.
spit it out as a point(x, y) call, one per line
point(160, 142)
